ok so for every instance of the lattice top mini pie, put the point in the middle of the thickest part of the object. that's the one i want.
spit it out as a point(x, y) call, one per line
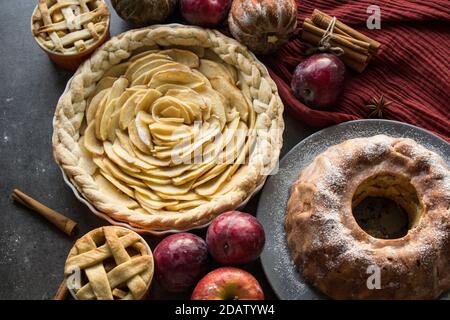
point(109, 263)
point(70, 26)
point(167, 127)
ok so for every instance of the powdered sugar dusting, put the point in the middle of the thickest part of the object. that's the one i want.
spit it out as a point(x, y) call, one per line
point(327, 187)
point(379, 146)
point(276, 257)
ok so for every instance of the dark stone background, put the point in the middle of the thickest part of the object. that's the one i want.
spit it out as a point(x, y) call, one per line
point(32, 252)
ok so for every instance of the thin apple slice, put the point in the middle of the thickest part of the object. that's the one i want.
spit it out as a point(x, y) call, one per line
point(127, 111)
point(185, 151)
point(150, 159)
point(142, 128)
point(185, 94)
point(125, 142)
point(104, 83)
point(164, 104)
point(209, 188)
point(106, 119)
point(146, 177)
point(190, 196)
point(148, 193)
point(234, 146)
point(164, 88)
point(90, 140)
point(214, 149)
point(214, 172)
point(93, 105)
point(233, 94)
point(215, 104)
point(182, 206)
point(148, 67)
point(117, 70)
point(160, 148)
point(136, 139)
point(113, 125)
point(144, 51)
point(113, 193)
point(118, 184)
point(146, 77)
point(121, 152)
point(145, 103)
point(86, 160)
point(180, 77)
point(170, 131)
point(170, 189)
point(164, 143)
point(108, 166)
point(145, 117)
point(116, 159)
point(170, 172)
point(213, 69)
point(185, 57)
point(99, 114)
point(117, 88)
point(193, 174)
point(155, 205)
point(138, 63)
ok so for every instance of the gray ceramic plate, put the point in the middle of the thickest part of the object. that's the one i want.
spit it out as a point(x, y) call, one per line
point(276, 258)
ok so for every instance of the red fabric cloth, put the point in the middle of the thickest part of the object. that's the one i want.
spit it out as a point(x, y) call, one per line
point(412, 67)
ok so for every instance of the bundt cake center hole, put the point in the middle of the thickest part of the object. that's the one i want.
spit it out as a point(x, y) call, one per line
point(386, 206)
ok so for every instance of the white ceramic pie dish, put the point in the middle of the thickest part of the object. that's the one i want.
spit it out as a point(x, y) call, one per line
point(124, 224)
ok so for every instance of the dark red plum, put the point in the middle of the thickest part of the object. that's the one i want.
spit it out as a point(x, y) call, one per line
point(180, 260)
point(235, 238)
point(206, 13)
point(319, 80)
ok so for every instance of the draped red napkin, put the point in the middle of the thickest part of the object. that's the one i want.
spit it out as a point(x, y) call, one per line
point(412, 68)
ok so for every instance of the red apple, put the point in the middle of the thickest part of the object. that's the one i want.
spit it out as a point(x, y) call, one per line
point(235, 238)
point(205, 12)
point(228, 283)
point(180, 260)
point(318, 81)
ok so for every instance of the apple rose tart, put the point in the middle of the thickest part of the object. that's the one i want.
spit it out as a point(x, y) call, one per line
point(166, 127)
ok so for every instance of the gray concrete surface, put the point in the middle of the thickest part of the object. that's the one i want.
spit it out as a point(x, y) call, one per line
point(32, 252)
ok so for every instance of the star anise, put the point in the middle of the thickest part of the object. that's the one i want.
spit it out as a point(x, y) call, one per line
point(378, 106)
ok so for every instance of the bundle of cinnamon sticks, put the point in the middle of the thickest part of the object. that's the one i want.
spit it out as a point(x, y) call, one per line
point(357, 48)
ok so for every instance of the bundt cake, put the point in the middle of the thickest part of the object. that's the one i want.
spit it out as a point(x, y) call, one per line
point(337, 255)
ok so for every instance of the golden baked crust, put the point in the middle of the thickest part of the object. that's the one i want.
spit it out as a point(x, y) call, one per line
point(334, 253)
point(70, 125)
point(109, 263)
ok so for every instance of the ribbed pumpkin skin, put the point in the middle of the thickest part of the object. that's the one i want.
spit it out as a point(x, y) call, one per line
point(263, 25)
point(144, 12)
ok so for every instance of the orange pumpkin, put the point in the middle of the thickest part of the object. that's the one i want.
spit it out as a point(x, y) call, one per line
point(263, 25)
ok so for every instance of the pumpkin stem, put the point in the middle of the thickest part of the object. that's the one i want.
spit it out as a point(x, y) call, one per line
point(272, 38)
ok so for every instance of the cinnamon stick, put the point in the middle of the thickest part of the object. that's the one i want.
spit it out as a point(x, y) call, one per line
point(62, 292)
point(63, 223)
point(354, 60)
point(361, 46)
point(323, 20)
